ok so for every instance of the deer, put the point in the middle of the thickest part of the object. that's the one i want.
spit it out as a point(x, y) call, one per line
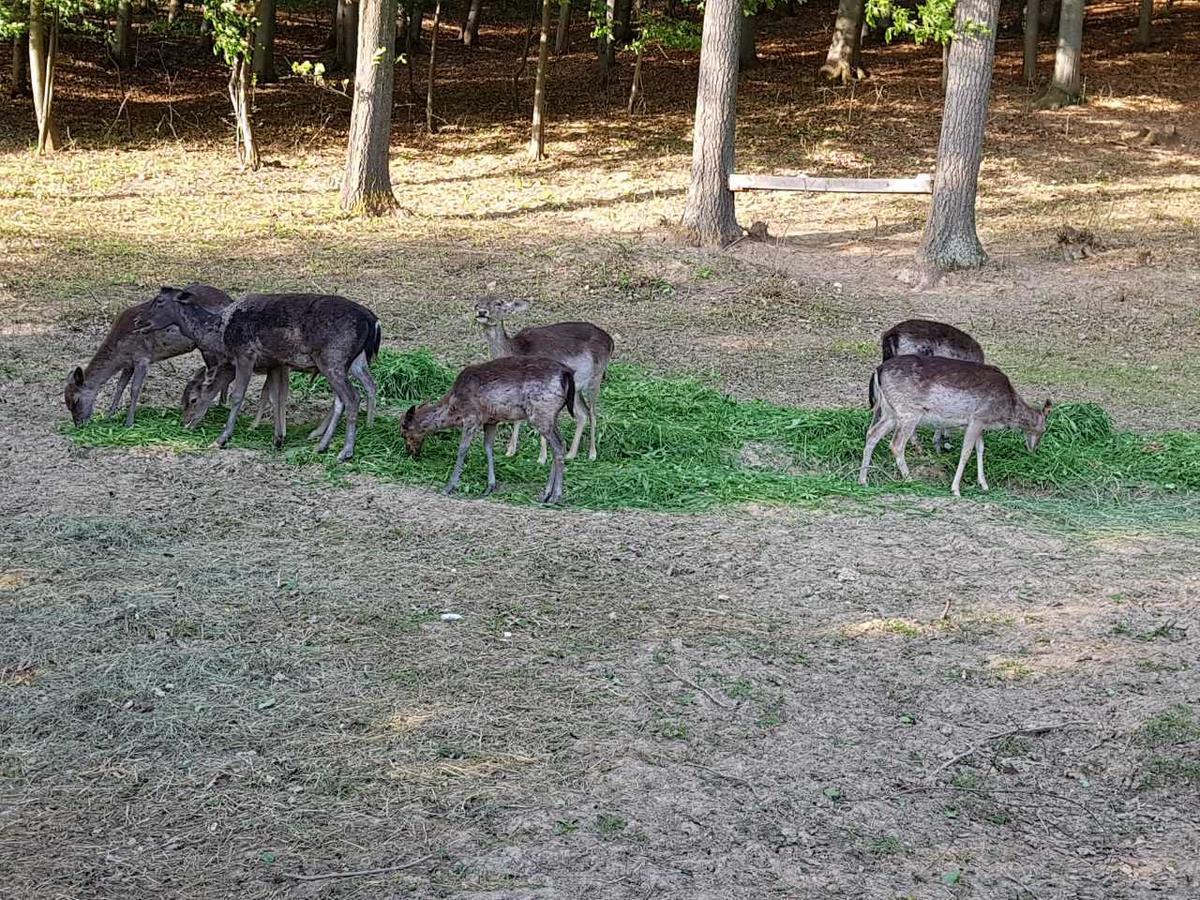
point(513, 389)
point(924, 337)
point(913, 390)
point(324, 333)
point(580, 346)
point(129, 351)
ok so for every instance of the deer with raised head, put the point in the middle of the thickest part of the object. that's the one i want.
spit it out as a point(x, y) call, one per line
point(511, 389)
point(933, 390)
point(130, 351)
point(582, 347)
point(924, 337)
point(274, 333)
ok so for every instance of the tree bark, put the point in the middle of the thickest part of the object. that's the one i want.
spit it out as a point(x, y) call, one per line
point(122, 37)
point(747, 54)
point(562, 41)
point(240, 97)
point(608, 45)
point(1145, 13)
point(416, 17)
point(174, 11)
point(1064, 88)
point(945, 65)
point(1031, 41)
point(347, 27)
point(708, 214)
point(437, 22)
point(367, 184)
point(843, 61)
point(43, 50)
point(537, 139)
point(470, 29)
point(264, 43)
point(1048, 13)
point(635, 87)
point(950, 241)
point(20, 66)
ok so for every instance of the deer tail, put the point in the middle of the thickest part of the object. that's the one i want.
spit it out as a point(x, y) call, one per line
point(568, 384)
point(374, 339)
point(873, 388)
point(891, 343)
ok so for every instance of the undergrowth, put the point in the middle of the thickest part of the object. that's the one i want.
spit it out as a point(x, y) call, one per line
point(680, 444)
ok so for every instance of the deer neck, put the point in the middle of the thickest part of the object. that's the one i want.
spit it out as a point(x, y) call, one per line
point(436, 417)
point(499, 343)
point(103, 366)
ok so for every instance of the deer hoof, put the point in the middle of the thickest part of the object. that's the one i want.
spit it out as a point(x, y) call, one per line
point(345, 455)
point(487, 490)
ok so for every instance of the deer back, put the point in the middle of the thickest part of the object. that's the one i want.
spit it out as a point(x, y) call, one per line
point(924, 337)
point(950, 391)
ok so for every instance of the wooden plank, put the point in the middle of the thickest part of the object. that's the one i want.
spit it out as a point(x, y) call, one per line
point(919, 184)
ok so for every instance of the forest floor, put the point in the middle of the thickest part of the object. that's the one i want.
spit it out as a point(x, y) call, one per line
point(221, 675)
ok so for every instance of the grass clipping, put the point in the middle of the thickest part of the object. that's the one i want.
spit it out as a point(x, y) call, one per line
point(680, 444)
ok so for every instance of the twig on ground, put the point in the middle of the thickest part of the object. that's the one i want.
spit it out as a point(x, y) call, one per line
point(734, 778)
point(945, 611)
point(695, 685)
point(356, 873)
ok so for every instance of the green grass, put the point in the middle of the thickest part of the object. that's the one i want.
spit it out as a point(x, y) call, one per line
point(680, 444)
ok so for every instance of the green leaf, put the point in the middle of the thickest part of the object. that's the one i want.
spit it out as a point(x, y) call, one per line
point(951, 877)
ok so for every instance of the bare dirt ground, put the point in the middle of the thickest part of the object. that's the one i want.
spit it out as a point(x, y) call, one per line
point(221, 676)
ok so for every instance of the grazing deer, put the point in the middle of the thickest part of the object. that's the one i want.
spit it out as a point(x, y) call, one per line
point(128, 350)
point(511, 389)
point(580, 346)
point(914, 390)
point(277, 332)
point(924, 337)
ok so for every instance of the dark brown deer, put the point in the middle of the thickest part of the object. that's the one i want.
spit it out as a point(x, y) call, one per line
point(511, 389)
point(914, 390)
point(580, 346)
point(130, 351)
point(274, 333)
point(924, 337)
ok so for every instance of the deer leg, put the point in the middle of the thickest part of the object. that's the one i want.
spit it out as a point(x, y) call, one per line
point(875, 434)
point(278, 381)
point(582, 415)
point(904, 433)
point(266, 397)
point(237, 397)
point(511, 450)
point(464, 444)
point(972, 434)
point(362, 372)
point(140, 368)
point(554, 485)
point(320, 429)
point(340, 382)
point(979, 459)
point(489, 439)
point(116, 400)
point(594, 404)
point(331, 423)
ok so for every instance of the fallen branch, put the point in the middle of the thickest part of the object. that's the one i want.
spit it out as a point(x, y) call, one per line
point(693, 684)
point(357, 873)
point(1012, 732)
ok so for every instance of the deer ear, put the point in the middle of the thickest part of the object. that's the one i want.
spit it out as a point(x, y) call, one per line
point(409, 416)
point(490, 287)
point(1046, 406)
point(516, 306)
point(77, 377)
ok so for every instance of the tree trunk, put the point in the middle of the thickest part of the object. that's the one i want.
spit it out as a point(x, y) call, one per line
point(20, 66)
point(843, 63)
point(122, 37)
point(623, 20)
point(367, 184)
point(1048, 15)
point(537, 139)
point(562, 40)
point(950, 241)
point(1145, 12)
point(1064, 87)
point(347, 26)
point(174, 11)
point(43, 50)
point(945, 65)
point(416, 16)
point(437, 22)
point(635, 88)
point(264, 43)
point(708, 214)
point(239, 96)
point(470, 29)
point(206, 37)
point(747, 55)
point(608, 45)
point(1031, 41)
point(516, 87)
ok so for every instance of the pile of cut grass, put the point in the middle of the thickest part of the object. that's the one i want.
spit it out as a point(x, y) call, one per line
point(681, 444)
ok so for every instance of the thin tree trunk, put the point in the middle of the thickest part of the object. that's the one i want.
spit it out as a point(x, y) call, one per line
point(945, 64)
point(608, 44)
point(347, 27)
point(1031, 41)
point(239, 95)
point(635, 87)
point(1048, 13)
point(516, 94)
point(470, 29)
point(122, 37)
point(206, 37)
point(537, 139)
point(264, 43)
point(708, 214)
point(367, 184)
point(437, 21)
point(175, 10)
point(950, 240)
point(747, 55)
point(562, 41)
point(20, 65)
point(43, 48)
point(1145, 13)
point(1064, 88)
point(842, 62)
point(416, 17)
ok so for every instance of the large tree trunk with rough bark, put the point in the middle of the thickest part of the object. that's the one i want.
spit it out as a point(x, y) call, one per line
point(367, 184)
point(1029, 70)
point(264, 43)
point(843, 61)
point(1145, 13)
point(537, 139)
point(174, 11)
point(708, 214)
point(346, 26)
point(747, 54)
point(121, 45)
point(240, 97)
point(950, 241)
point(43, 52)
point(562, 40)
point(20, 66)
point(1065, 86)
point(470, 28)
